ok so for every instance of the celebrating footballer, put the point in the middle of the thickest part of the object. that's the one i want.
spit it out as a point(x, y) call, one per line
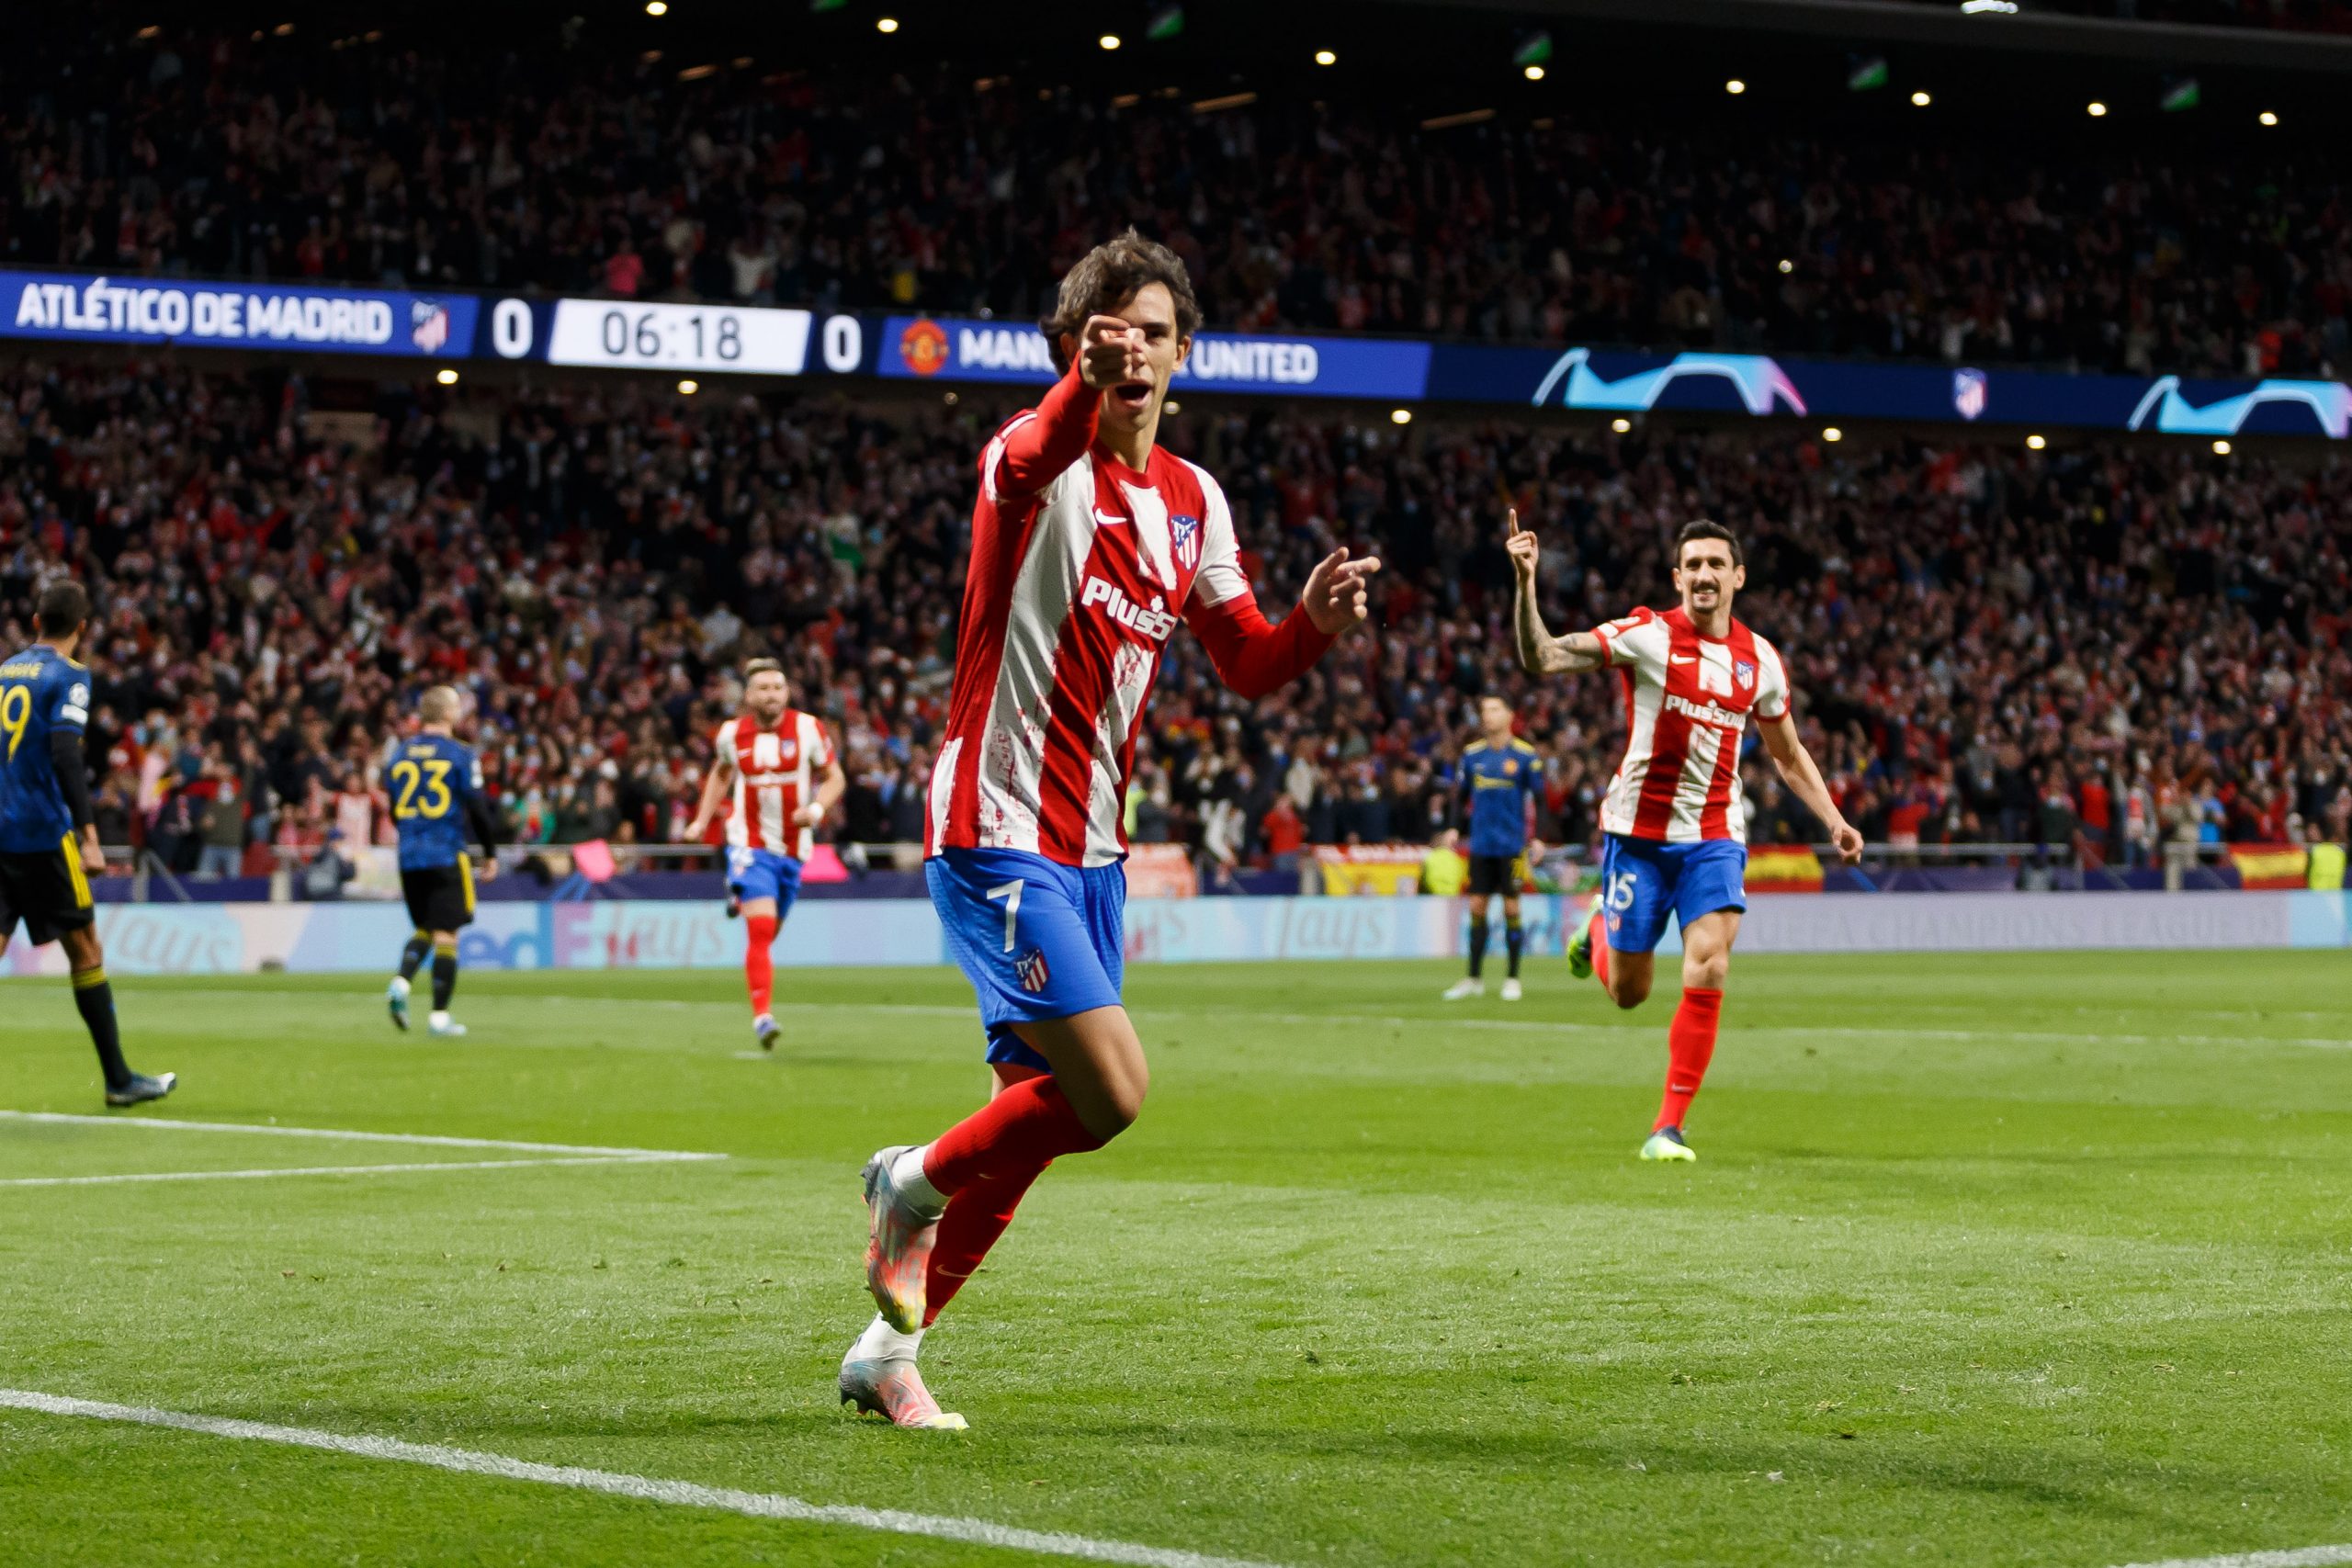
point(1674, 816)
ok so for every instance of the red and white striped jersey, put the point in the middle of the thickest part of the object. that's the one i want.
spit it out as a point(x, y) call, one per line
point(776, 769)
point(1687, 701)
point(1082, 568)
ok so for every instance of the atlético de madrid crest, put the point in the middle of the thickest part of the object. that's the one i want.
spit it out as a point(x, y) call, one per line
point(1744, 671)
point(1186, 532)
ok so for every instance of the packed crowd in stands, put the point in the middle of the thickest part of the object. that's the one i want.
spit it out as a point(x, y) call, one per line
point(2103, 650)
point(387, 161)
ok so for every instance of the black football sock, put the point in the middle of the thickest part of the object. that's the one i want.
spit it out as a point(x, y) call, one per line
point(95, 997)
point(413, 955)
point(1477, 944)
point(445, 974)
point(1514, 942)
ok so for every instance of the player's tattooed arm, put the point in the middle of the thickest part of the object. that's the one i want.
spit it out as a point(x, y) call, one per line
point(1540, 653)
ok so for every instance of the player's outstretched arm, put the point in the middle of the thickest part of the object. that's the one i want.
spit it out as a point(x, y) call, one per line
point(1804, 779)
point(1252, 655)
point(1540, 653)
point(1037, 450)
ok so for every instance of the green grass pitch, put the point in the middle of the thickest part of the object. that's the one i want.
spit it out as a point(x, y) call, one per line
point(1987, 1260)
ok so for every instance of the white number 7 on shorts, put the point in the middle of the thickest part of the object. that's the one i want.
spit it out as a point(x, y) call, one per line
point(1010, 893)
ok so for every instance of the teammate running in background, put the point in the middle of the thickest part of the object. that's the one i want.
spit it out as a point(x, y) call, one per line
point(1502, 776)
point(776, 767)
point(1090, 545)
point(49, 840)
point(436, 788)
point(1674, 816)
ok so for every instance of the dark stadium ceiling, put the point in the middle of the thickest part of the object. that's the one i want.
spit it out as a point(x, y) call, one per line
point(1449, 59)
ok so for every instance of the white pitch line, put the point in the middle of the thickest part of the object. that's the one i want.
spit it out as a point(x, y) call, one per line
point(643, 1488)
point(2298, 1557)
point(335, 1170)
point(429, 1140)
point(1893, 1031)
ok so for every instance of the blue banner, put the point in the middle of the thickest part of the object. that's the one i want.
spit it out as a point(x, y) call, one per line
point(85, 309)
point(766, 341)
point(950, 348)
point(1758, 384)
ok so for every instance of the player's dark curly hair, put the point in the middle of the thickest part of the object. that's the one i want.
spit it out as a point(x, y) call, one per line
point(63, 607)
point(1708, 528)
point(1110, 274)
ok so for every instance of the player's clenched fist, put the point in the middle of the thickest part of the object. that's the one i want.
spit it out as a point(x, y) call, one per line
point(1110, 352)
point(1337, 593)
point(1525, 554)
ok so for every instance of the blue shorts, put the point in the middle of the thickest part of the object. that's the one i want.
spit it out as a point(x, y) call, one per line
point(1039, 940)
point(1642, 881)
point(764, 873)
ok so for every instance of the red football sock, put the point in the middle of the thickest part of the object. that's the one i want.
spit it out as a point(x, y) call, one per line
point(759, 968)
point(975, 1218)
point(1599, 947)
point(1024, 1128)
point(1691, 1046)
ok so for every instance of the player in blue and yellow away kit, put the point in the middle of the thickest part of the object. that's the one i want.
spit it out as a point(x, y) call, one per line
point(435, 789)
point(49, 844)
point(1501, 777)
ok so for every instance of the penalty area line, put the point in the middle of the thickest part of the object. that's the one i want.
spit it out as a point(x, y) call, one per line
point(640, 1488)
point(423, 1140)
point(256, 1175)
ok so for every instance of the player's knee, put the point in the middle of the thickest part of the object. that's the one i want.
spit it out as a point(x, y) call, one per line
point(1630, 994)
point(1706, 974)
point(1117, 1109)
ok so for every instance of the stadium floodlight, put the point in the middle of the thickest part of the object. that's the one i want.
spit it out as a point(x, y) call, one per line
point(657, 7)
point(2221, 448)
point(447, 377)
point(689, 386)
point(2095, 109)
point(1533, 73)
point(1400, 416)
point(1787, 265)
point(2035, 443)
point(1171, 406)
point(1734, 87)
point(1325, 57)
point(1921, 100)
point(1620, 425)
point(1109, 40)
point(1832, 433)
point(886, 24)
point(2268, 118)
point(1988, 7)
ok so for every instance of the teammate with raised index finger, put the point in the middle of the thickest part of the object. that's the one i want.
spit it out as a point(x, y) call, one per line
point(1091, 545)
point(1674, 818)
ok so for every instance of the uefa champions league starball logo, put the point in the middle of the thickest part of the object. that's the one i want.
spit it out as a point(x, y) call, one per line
point(1969, 390)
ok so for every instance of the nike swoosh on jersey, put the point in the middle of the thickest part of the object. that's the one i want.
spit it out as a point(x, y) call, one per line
point(1683, 659)
point(1107, 519)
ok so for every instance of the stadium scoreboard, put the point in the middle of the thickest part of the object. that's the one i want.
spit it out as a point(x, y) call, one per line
point(633, 334)
point(679, 337)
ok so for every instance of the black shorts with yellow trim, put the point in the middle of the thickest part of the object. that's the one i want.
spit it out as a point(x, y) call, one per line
point(47, 891)
point(440, 898)
point(1490, 875)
